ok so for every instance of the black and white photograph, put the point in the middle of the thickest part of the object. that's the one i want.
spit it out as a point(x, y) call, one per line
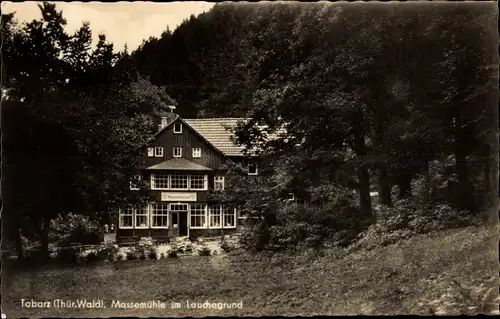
point(286, 158)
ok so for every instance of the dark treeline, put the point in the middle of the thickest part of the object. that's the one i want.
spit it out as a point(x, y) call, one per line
point(73, 118)
point(364, 93)
point(365, 90)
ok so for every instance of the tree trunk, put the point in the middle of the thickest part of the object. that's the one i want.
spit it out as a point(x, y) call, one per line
point(364, 192)
point(384, 186)
point(403, 180)
point(463, 198)
point(404, 185)
point(44, 237)
point(19, 244)
point(429, 187)
point(364, 177)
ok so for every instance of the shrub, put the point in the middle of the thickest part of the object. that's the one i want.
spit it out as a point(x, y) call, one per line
point(133, 255)
point(172, 253)
point(226, 247)
point(289, 227)
point(204, 252)
point(408, 218)
point(75, 228)
point(153, 254)
point(92, 257)
point(68, 255)
point(145, 247)
point(110, 251)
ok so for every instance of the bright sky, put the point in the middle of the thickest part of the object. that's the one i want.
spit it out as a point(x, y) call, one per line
point(121, 22)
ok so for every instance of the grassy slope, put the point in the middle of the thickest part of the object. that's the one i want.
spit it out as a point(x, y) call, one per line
point(387, 280)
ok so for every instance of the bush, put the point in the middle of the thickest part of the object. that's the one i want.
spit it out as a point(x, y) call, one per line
point(68, 255)
point(133, 255)
point(145, 247)
point(92, 257)
point(172, 254)
point(408, 218)
point(75, 228)
point(153, 254)
point(192, 238)
point(335, 219)
point(204, 252)
point(226, 247)
point(110, 252)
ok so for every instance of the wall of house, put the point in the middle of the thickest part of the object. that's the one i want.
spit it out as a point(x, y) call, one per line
point(164, 235)
point(188, 140)
point(210, 158)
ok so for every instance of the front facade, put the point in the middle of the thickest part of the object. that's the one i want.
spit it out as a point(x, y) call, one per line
point(184, 161)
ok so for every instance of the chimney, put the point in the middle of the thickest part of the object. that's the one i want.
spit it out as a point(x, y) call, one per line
point(168, 117)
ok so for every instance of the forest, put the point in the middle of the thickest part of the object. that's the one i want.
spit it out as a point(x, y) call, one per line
point(400, 100)
point(405, 107)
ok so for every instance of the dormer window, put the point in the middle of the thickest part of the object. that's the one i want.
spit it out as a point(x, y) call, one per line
point(178, 128)
point(196, 152)
point(164, 122)
point(158, 151)
point(177, 151)
point(252, 169)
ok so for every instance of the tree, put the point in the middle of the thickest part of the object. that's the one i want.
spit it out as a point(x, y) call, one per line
point(77, 120)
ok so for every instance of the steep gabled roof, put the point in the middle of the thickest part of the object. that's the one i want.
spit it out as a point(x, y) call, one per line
point(179, 164)
point(218, 132)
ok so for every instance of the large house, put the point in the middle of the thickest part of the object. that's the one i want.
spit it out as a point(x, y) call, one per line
point(184, 160)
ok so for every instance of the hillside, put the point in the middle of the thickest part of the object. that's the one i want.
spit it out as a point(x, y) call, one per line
point(450, 272)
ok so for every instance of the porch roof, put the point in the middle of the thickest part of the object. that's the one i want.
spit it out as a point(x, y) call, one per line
point(179, 164)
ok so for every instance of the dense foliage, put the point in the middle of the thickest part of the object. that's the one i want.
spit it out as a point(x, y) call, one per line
point(74, 117)
point(401, 107)
point(359, 120)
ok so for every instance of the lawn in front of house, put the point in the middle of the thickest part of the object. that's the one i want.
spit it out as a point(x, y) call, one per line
point(402, 278)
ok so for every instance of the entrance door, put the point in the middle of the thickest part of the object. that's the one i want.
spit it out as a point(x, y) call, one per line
point(178, 219)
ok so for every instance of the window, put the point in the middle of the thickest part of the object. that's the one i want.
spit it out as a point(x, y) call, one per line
point(178, 181)
point(219, 183)
point(214, 213)
point(198, 182)
point(159, 215)
point(252, 169)
point(162, 181)
point(126, 218)
point(142, 217)
point(159, 181)
point(196, 152)
point(179, 207)
point(229, 218)
point(151, 152)
point(134, 183)
point(178, 128)
point(159, 151)
point(177, 151)
point(164, 121)
point(198, 216)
